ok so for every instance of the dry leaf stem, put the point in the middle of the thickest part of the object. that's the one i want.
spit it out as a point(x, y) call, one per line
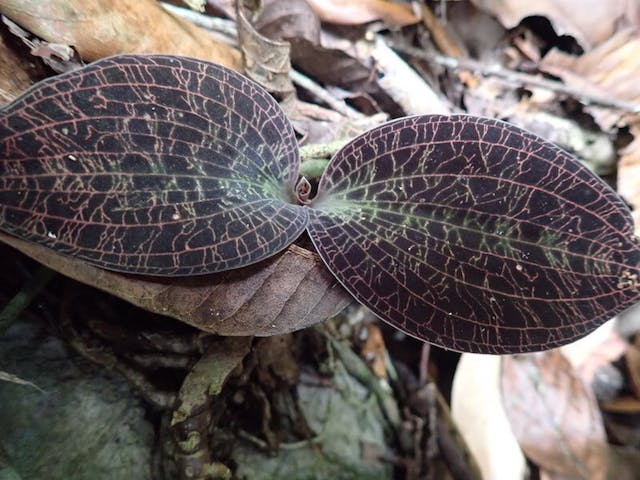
point(323, 95)
point(225, 28)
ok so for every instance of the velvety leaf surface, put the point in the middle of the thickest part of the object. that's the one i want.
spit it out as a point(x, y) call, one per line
point(290, 291)
point(475, 235)
point(150, 164)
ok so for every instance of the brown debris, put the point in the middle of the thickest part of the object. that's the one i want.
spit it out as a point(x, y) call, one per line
point(100, 29)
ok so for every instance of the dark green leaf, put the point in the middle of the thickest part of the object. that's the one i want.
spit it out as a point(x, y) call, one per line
point(150, 164)
point(475, 235)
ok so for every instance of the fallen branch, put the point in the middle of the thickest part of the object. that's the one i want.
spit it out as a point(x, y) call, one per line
point(516, 78)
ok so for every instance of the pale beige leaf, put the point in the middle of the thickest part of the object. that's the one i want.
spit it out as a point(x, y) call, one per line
point(287, 292)
point(477, 410)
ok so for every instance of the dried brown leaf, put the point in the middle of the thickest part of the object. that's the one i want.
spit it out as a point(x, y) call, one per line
point(289, 291)
point(267, 61)
point(333, 61)
point(99, 29)
point(357, 12)
point(14, 77)
point(588, 21)
point(609, 70)
point(290, 20)
point(481, 41)
point(554, 415)
point(625, 462)
point(372, 68)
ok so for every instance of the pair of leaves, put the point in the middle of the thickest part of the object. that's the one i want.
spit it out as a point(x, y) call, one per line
point(466, 232)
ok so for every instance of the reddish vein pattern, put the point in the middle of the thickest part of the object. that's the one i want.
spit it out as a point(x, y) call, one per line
point(475, 235)
point(150, 164)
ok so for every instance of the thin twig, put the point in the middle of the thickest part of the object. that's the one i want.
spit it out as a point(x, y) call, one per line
point(24, 297)
point(221, 26)
point(517, 78)
point(441, 36)
point(323, 95)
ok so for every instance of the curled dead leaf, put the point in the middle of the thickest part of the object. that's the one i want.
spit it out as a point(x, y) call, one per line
point(267, 61)
point(290, 20)
point(287, 292)
point(99, 29)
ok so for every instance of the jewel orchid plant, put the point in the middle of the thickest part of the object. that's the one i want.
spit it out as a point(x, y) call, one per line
point(465, 232)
